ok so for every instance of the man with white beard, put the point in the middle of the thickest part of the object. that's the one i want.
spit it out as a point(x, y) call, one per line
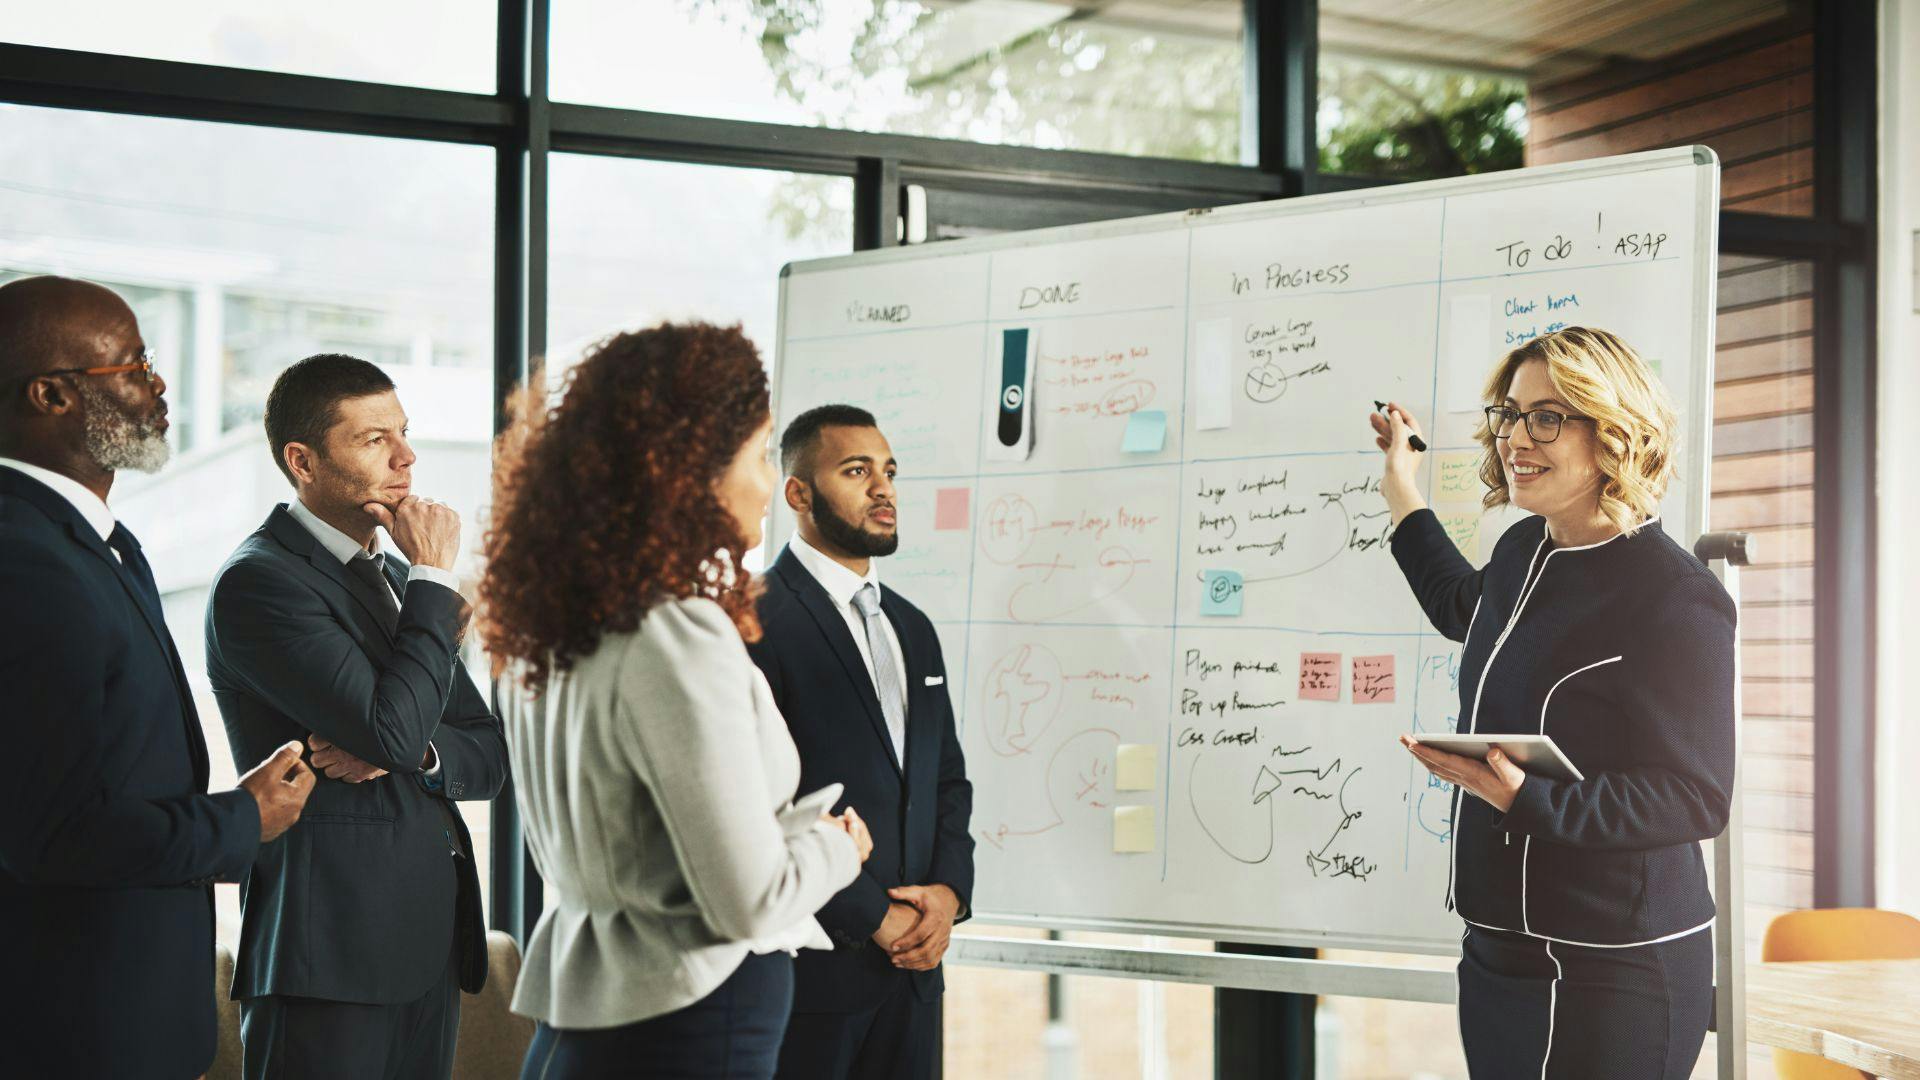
point(109, 841)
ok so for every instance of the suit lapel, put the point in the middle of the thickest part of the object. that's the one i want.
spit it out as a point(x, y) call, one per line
point(147, 596)
point(295, 538)
point(129, 580)
point(57, 508)
point(833, 628)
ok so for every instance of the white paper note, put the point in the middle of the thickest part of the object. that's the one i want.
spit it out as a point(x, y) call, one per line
point(1136, 767)
point(1213, 374)
point(1133, 832)
point(1469, 352)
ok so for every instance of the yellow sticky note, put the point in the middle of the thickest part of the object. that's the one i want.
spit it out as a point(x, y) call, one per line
point(1458, 479)
point(1464, 530)
point(1132, 829)
point(1135, 768)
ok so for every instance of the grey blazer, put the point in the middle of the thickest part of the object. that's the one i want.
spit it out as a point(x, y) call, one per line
point(649, 778)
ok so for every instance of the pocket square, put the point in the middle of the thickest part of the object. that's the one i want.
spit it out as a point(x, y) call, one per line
point(936, 680)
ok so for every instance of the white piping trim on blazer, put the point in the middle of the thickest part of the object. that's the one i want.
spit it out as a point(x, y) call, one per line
point(1599, 543)
point(1553, 1004)
point(1677, 935)
point(1480, 689)
point(1473, 720)
point(1453, 815)
point(1526, 849)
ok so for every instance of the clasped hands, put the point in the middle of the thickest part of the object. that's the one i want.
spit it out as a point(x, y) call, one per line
point(1495, 781)
point(918, 926)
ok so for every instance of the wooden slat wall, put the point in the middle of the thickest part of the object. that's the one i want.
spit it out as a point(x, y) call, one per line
point(1752, 102)
point(1763, 482)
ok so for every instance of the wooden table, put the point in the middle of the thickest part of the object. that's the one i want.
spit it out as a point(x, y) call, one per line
point(1863, 1013)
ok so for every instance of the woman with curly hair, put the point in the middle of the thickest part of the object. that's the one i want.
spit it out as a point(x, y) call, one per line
point(650, 763)
point(1588, 950)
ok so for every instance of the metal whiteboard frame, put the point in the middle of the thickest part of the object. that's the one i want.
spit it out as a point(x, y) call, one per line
point(1320, 976)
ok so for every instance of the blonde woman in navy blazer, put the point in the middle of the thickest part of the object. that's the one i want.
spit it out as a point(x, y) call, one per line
point(1588, 949)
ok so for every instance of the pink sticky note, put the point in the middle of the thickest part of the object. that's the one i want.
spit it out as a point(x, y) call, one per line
point(950, 508)
point(1372, 680)
point(1319, 676)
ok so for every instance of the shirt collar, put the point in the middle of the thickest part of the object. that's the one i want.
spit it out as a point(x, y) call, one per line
point(840, 582)
point(90, 506)
point(338, 544)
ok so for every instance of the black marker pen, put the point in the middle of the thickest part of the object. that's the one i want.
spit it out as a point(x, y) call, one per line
point(1414, 441)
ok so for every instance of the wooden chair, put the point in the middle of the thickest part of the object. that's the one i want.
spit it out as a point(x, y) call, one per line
point(1835, 934)
point(492, 1042)
point(493, 1039)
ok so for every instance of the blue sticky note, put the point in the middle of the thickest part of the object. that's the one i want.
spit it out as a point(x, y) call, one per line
point(1220, 592)
point(1146, 433)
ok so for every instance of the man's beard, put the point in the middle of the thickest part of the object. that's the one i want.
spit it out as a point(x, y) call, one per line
point(847, 535)
point(116, 439)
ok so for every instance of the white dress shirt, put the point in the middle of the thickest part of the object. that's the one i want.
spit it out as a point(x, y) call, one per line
point(91, 507)
point(841, 585)
point(342, 547)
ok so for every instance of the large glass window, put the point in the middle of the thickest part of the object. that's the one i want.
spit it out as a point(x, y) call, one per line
point(1412, 91)
point(625, 251)
point(444, 44)
point(1026, 1024)
point(1154, 79)
point(242, 250)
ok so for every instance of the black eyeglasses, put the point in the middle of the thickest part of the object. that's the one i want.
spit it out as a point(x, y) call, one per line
point(144, 365)
point(1543, 425)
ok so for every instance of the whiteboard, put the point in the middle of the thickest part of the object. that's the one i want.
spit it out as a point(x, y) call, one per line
point(1262, 776)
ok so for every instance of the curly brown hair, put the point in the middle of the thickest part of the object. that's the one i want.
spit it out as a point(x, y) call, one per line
point(605, 504)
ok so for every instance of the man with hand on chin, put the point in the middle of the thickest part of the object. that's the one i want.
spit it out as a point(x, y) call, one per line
point(858, 674)
point(362, 925)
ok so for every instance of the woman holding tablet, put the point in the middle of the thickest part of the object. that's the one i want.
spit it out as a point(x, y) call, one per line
point(652, 769)
point(1588, 949)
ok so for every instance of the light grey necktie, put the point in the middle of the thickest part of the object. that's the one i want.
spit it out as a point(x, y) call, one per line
point(886, 669)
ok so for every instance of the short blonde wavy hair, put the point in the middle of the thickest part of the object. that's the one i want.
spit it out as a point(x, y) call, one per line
point(1636, 433)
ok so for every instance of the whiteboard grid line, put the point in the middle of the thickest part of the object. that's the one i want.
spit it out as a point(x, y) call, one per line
point(843, 335)
point(1276, 456)
point(1222, 625)
point(973, 506)
point(1179, 522)
point(1234, 301)
point(1267, 298)
point(1420, 649)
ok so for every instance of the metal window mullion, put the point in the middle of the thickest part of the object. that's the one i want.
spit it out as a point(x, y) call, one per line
point(1281, 92)
point(876, 204)
point(519, 285)
point(100, 82)
point(1846, 112)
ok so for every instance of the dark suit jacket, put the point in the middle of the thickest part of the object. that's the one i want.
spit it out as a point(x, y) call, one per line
point(357, 902)
point(109, 844)
point(918, 816)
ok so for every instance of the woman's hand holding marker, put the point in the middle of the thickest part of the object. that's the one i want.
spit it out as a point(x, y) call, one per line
point(1397, 432)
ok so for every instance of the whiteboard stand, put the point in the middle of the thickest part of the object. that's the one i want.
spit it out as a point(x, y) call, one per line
point(1724, 553)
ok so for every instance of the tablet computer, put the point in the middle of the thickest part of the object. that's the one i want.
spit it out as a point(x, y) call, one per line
point(1533, 753)
point(806, 809)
